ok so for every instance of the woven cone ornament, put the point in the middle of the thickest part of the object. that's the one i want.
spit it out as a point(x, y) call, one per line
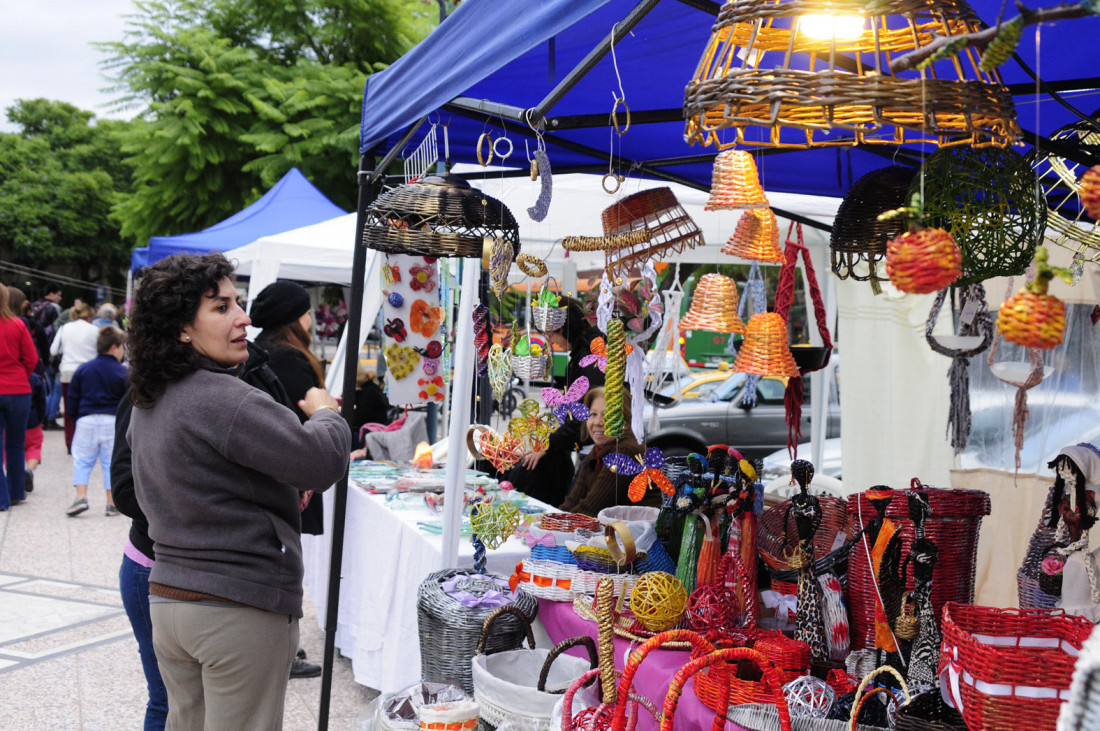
point(1090, 191)
point(714, 306)
point(766, 350)
point(735, 182)
point(756, 237)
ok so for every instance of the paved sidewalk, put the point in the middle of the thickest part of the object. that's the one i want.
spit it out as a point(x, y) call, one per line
point(68, 659)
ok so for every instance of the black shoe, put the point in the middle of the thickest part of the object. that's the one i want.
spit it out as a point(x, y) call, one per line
point(51, 425)
point(303, 669)
point(28, 480)
point(301, 655)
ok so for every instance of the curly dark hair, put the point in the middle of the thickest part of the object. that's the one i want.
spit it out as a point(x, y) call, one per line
point(167, 299)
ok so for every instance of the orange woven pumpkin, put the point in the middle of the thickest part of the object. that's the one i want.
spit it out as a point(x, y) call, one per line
point(1089, 191)
point(922, 261)
point(1033, 320)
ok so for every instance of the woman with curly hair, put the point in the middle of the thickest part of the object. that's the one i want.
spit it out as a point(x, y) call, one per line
point(219, 469)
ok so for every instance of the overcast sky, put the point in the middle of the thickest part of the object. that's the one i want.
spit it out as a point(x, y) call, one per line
point(45, 51)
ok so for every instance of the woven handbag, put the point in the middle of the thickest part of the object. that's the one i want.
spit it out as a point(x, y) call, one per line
point(450, 631)
point(929, 712)
point(1029, 590)
point(524, 685)
point(1009, 668)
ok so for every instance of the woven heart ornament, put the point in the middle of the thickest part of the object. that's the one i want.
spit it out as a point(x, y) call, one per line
point(494, 523)
point(502, 450)
point(500, 369)
point(501, 254)
point(531, 427)
point(401, 360)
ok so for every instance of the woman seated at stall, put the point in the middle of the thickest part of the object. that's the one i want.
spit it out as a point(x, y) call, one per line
point(597, 487)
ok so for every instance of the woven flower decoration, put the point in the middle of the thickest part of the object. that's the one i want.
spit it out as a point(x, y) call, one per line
point(568, 403)
point(494, 523)
point(647, 471)
point(599, 354)
point(532, 427)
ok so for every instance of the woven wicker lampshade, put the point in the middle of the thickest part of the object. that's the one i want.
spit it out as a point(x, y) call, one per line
point(858, 235)
point(657, 211)
point(986, 199)
point(766, 350)
point(763, 67)
point(714, 306)
point(756, 237)
point(440, 215)
point(735, 182)
point(1060, 181)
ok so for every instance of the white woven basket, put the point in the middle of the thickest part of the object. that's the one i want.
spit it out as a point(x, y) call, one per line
point(506, 686)
point(548, 319)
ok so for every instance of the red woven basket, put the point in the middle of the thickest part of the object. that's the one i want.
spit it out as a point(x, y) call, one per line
point(1009, 668)
point(789, 657)
point(956, 517)
point(569, 522)
point(770, 540)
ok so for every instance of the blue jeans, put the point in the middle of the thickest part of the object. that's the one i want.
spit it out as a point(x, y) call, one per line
point(53, 394)
point(14, 409)
point(94, 438)
point(133, 583)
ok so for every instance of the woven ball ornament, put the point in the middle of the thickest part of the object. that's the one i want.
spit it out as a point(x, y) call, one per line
point(735, 183)
point(809, 696)
point(709, 608)
point(658, 601)
point(1089, 191)
point(756, 237)
point(766, 350)
point(1032, 320)
point(494, 523)
point(714, 306)
point(923, 261)
point(986, 199)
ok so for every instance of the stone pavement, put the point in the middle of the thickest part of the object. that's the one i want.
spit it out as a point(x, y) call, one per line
point(68, 659)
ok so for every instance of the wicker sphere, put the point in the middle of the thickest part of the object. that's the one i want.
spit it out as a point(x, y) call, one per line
point(1070, 188)
point(1032, 320)
point(658, 601)
point(985, 198)
point(710, 608)
point(858, 235)
point(923, 261)
point(809, 696)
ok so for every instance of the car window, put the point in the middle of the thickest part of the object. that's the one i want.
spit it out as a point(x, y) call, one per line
point(703, 390)
point(671, 388)
point(728, 388)
point(770, 391)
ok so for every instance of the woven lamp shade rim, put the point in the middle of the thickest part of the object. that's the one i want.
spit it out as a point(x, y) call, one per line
point(766, 350)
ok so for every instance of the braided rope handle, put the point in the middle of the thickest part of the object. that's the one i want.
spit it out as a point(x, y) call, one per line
point(635, 660)
point(507, 609)
point(733, 654)
point(605, 628)
point(560, 648)
point(628, 724)
point(567, 699)
point(784, 293)
point(857, 703)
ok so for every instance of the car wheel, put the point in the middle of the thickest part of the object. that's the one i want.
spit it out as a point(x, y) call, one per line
point(678, 450)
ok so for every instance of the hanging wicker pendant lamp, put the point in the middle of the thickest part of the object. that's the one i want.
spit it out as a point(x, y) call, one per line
point(656, 211)
point(766, 350)
point(714, 306)
point(756, 237)
point(440, 215)
point(1067, 189)
point(765, 66)
point(858, 236)
point(735, 182)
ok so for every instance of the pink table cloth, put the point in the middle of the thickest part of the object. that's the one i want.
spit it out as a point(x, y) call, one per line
point(653, 677)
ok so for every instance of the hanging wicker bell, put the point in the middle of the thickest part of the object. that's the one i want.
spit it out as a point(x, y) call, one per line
point(766, 350)
point(735, 183)
point(858, 236)
point(440, 215)
point(714, 306)
point(756, 237)
point(657, 211)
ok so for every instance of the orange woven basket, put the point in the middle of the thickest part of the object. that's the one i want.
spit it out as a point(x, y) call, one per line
point(735, 182)
point(790, 658)
point(714, 306)
point(923, 261)
point(1032, 320)
point(766, 350)
point(756, 237)
point(998, 660)
point(569, 522)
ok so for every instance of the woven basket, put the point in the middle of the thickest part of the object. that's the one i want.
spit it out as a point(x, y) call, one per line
point(554, 580)
point(994, 661)
point(756, 237)
point(449, 631)
point(1028, 589)
point(953, 527)
point(766, 349)
point(714, 306)
point(569, 522)
point(548, 319)
point(530, 367)
point(929, 712)
point(671, 230)
point(790, 659)
point(555, 552)
point(735, 182)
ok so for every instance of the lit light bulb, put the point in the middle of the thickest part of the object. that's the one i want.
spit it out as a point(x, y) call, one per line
point(826, 27)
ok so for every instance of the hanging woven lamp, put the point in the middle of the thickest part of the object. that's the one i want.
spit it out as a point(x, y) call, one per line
point(756, 237)
point(766, 350)
point(714, 306)
point(1068, 190)
point(735, 183)
point(858, 236)
point(987, 200)
point(440, 215)
point(767, 65)
point(655, 211)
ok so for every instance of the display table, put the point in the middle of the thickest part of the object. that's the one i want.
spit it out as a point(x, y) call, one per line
point(386, 556)
point(654, 675)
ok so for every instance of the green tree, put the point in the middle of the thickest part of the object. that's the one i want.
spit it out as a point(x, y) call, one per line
point(234, 93)
point(60, 175)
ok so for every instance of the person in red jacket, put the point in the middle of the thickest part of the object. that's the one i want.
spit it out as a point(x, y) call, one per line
point(18, 358)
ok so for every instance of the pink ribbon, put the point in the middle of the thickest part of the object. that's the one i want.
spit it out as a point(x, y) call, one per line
point(545, 539)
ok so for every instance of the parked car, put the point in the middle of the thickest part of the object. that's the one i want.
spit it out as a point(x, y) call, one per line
point(757, 431)
point(696, 385)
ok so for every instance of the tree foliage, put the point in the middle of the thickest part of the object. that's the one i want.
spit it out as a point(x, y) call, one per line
point(234, 93)
point(60, 174)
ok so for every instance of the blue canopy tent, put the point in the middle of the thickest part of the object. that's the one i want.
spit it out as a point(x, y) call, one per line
point(552, 68)
point(291, 203)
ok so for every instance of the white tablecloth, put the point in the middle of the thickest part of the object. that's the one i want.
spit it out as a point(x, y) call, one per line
point(385, 558)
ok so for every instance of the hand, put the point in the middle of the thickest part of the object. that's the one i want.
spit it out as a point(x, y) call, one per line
point(303, 500)
point(359, 454)
point(315, 399)
point(531, 459)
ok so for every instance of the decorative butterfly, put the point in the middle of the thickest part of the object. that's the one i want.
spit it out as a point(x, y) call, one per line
point(599, 354)
point(647, 469)
point(395, 329)
point(567, 404)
